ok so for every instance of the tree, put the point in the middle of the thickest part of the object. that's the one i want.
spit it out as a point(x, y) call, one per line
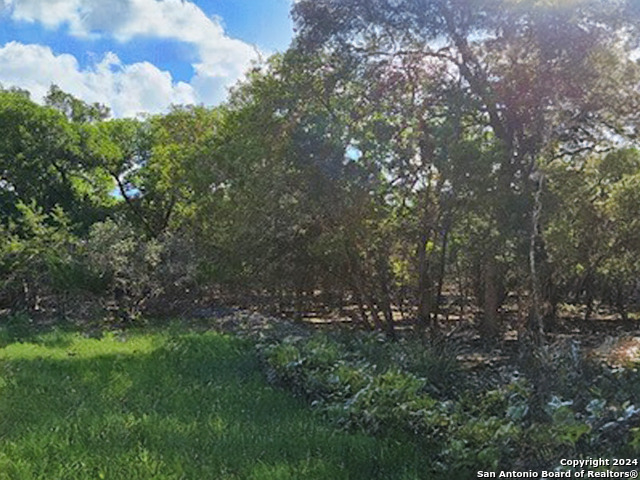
point(540, 75)
point(592, 229)
point(75, 109)
point(42, 162)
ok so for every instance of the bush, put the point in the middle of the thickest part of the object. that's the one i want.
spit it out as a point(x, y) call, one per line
point(371, 385)
point(38, 258)
point(137, 270)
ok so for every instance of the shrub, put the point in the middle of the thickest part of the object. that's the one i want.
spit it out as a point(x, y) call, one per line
point(136, 269)
point(371, 385)
point(37, 257)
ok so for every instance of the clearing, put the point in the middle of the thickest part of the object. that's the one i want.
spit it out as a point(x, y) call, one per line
point(167, 405)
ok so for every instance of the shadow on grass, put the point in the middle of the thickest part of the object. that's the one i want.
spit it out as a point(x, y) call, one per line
point(176, 407)
point(20, 328)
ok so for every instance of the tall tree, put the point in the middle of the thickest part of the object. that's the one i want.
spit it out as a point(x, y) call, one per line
point(540, 74)
point(42, 161)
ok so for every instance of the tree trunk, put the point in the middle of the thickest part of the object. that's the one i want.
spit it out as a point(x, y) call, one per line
point(441, 273)
point(462, 296)
point(424, 287)
point(535, 362)
point(588, 291)
point(385, 294)
point(489, 325)
point(362, 311)
point(621, 306)
point(536, 329)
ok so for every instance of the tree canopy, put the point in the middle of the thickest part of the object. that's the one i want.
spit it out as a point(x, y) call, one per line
point(403, 160)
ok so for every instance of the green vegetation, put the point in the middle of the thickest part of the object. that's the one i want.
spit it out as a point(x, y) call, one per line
point(166, 405)
point(476, 159)
point(462, 422)
point(436, 174)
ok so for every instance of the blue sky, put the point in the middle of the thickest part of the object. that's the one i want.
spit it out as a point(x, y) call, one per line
point(137, 56)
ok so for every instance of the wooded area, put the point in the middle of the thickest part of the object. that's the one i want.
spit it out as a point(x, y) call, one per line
point(401, 161)
point(409, 166)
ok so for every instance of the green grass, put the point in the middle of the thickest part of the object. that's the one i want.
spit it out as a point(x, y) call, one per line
point(167, 406)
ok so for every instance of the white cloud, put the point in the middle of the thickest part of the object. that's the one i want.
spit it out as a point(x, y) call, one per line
point(50, 12)
point(127, 89)
point(221, 60)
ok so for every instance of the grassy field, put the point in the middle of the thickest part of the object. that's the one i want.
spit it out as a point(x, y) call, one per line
point(166, 406)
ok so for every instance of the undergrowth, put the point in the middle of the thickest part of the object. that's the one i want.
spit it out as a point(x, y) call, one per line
point(421, 395)
point(167, 404)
